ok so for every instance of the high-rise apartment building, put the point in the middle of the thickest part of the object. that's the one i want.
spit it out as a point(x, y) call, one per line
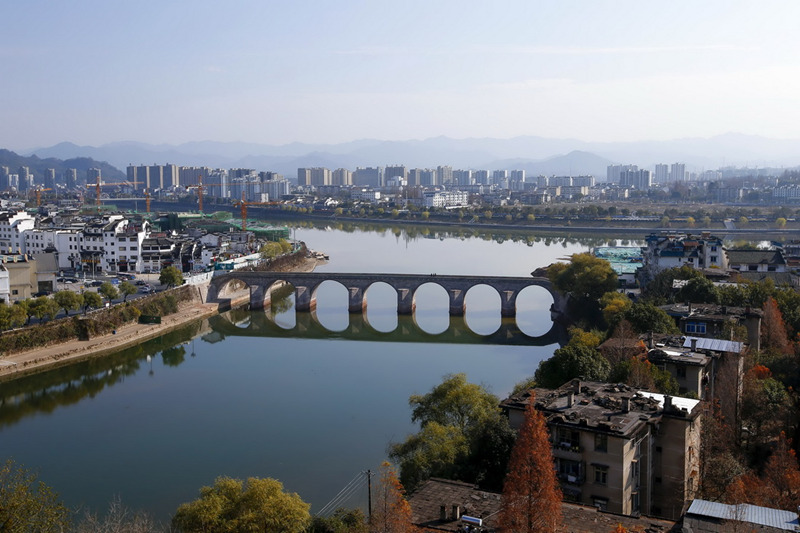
point(4, 182)
point(50, 179)
point(444, 175)
point(677, 172)
point(369, 176)
point(93, 175)
point(613, 172)
point(661, 175)
point(71, 178)
point(396, 171)
point(342, 176)
point(481, 177)
point(25, 179)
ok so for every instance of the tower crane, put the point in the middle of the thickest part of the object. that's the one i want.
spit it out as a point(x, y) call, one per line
point(243, 206)
point(98, 187)
point(39, 195)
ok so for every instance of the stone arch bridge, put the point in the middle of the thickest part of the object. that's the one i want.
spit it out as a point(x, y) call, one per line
point(305, 285)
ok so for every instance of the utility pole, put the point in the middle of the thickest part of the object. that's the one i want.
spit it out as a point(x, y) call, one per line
point(369, 494)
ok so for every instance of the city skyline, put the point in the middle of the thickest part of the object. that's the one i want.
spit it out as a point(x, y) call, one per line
point(265, 72)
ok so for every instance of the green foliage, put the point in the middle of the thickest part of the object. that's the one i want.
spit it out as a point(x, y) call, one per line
point(434, 451)
point(454, 402)
point(91, 299)
point(108, 291)
point(524, 385)
point(463, 436)
point(586, 277)
point(643, 374)
point(589, 339)
point(68, 300)
point(614, 306)
point(570, 362)
point(29, 505)
point(42, 307)
point(699, 290)
point(659, 289)
point(170, 276)
point(341, 521)
point(645, 317)
point(126, 288)
point(231, 506)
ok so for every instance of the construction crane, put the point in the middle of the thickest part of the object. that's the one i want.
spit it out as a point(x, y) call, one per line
point(147, 200)
point(199, 188)
point(98, 187)
point(243, 206)
point(39, 195)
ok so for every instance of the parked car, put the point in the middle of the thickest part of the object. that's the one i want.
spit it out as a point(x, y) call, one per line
point(94, 283)
point(146, 289)
point(42, 293)
point(141, 282)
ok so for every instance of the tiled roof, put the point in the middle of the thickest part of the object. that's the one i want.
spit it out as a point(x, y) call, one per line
point(763, 516)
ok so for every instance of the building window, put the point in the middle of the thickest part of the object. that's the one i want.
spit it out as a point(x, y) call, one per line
point(695, 327)
point(601, 475)
point(600, 442)
point(600, 503)
point(713, 258)
point(681, 371)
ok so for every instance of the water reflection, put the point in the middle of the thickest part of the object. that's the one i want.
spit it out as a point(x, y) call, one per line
point(358, 327)
point(46, 391)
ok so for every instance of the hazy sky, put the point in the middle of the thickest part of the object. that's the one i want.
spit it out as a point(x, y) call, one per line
point(93, 72)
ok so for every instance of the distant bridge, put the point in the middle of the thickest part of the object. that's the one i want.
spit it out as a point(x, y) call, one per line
point(261, 285)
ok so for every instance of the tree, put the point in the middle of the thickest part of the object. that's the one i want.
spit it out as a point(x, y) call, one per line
point(570, 362)
point(773, 331)
point(585, 277)
point(170, 276)
point(91, 299)
point(391, 512)
point(126, 288)
point(614, 305)
point(27, 504)
point(699, 290)
point(531, 501)
point(108, 291)
point(780, 222)
point(230, 505)
point(453, 402)
point(457, 419)
point(118, 519)
point(42, 307)
point(341, 521)
point(271, 250)
point(67, 300)
point(646, 317)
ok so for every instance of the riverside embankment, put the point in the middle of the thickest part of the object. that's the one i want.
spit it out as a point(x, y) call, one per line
point(191, 309)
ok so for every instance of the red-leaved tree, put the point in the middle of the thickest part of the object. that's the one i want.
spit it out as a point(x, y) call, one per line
point(391, 512)
point(531, 495)
point(773, 329)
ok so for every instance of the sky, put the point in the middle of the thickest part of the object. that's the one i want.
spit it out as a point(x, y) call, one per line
point(93, 72)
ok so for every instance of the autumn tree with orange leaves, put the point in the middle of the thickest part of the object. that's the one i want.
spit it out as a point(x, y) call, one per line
point(773, 330)
point(391, 512)
point(531, 495)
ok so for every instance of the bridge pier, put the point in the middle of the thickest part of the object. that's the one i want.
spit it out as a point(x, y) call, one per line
point(303, 300)
point(257, 296)
point(357, 301)
point(508, 303)
point(456, 302)
point(405, 302)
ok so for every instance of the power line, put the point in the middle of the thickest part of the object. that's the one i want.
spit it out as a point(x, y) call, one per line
point(347, 491)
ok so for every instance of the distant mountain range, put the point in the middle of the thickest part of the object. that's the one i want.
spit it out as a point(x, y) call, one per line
point(535, 155)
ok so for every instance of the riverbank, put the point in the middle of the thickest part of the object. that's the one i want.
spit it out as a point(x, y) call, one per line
point(58, 355)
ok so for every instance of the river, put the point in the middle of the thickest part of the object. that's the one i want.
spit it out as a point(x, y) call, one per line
point(154, 423)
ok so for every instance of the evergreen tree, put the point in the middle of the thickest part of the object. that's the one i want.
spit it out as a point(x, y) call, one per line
point(531, 494)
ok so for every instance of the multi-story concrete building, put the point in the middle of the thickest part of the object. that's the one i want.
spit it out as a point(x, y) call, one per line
point(342, 176)
point(636, 179)
point(395, 171)
point(25, 179)
point(13, 226)
point(368, 177)
point(444, 175)
point(677, 172)
point(50, 179)
point(622, 450)
point(613, 172)
point(661, 175)
point(450, 198)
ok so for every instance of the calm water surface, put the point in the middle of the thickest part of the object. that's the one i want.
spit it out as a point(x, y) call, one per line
point(154, 423)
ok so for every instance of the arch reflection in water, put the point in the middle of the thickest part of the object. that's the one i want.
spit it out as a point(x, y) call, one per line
point(359, 328)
